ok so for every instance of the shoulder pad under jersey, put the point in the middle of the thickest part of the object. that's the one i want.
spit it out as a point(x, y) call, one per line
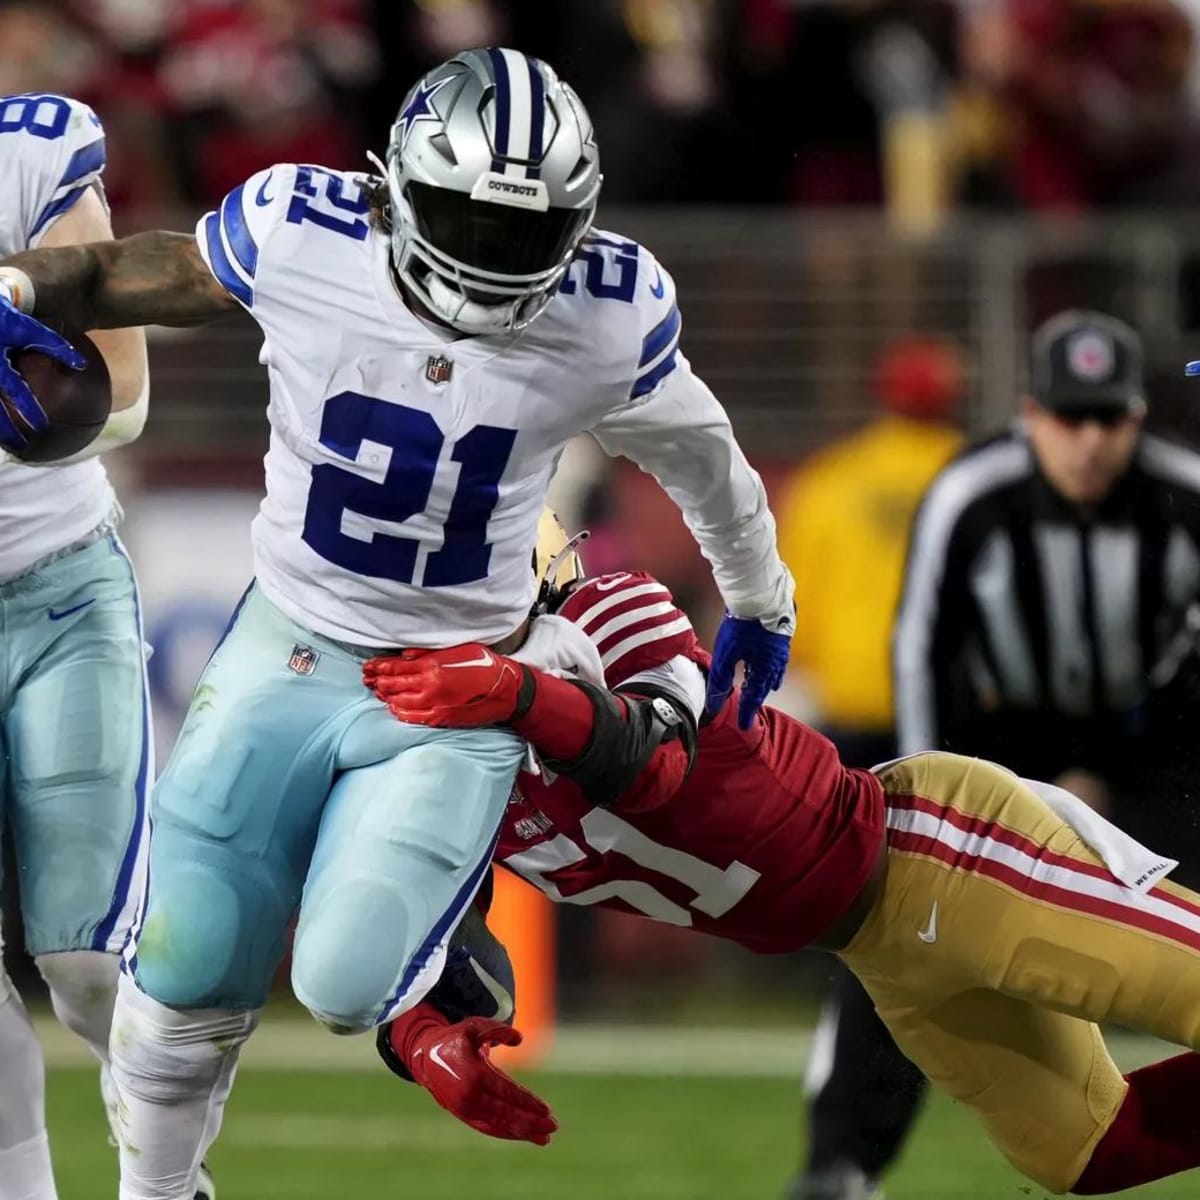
point(633, 621)
point(53, 151)
point(630, 309)
point(290, 216)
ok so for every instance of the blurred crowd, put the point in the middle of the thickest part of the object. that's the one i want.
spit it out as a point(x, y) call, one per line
point(917, 105)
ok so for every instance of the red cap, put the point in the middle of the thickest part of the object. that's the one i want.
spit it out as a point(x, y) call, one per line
point(920, 377)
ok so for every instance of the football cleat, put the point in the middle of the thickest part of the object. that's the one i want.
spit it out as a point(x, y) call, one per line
point(206, 1189)
point(843, 1181)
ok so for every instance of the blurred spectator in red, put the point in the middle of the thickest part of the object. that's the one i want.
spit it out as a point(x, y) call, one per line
point(42, 52)
point(252, 82)
point(76, 48)
point(126, 36)
point(1093, 100)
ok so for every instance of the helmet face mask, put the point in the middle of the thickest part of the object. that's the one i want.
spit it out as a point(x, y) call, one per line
point(493, 177)
point(556, 563)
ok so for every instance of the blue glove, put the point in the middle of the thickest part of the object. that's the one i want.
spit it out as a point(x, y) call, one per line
point(18, 331)
point(765, 654)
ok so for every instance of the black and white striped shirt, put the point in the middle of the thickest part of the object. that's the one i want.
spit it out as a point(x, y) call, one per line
point(1029, 632)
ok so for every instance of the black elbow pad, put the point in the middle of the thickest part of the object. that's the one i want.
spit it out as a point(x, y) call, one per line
point(624, 739)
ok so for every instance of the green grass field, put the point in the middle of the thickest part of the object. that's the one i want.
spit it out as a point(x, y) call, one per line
point(338, 1134)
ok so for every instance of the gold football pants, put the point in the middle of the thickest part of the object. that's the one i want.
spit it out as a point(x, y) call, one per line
point(1000, 940)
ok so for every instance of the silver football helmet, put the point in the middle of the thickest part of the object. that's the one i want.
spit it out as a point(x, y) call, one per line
point(493, 175)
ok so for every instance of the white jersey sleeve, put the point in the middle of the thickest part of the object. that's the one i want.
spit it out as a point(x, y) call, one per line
point(53, 150)
point(256, 242)
point(673, 427)
point(659, 325)
point(232, 237)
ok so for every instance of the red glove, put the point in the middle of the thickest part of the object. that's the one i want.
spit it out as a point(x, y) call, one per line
point(463, 687)
point(451, 1063)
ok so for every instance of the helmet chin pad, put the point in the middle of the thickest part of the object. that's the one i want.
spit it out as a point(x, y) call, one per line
point(466, 314)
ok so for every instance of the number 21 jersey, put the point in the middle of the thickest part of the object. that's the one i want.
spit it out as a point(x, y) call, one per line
point(408, 465)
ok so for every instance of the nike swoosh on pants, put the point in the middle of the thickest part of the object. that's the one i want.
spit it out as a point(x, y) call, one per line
point(66, 612)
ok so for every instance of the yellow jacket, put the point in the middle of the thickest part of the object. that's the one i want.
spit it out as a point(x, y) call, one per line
point(843, 531)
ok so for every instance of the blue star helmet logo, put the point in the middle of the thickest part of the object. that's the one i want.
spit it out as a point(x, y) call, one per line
point(418, 109)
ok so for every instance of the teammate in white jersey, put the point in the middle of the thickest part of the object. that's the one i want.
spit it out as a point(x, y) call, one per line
point(74, 723)
point(432, 341)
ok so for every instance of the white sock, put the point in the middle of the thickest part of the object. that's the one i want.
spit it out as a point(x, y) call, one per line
point(25, 1172)
point(173, 1071)
point(112, 1104)
point(83, 987)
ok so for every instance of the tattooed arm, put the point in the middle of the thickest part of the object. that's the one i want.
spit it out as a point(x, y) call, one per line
point(149, 279)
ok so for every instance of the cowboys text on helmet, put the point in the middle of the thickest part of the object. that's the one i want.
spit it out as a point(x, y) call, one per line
point(493, 176)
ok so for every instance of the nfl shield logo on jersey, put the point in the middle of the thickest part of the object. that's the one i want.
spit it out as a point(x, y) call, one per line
point(303, 660)
point(438, 368)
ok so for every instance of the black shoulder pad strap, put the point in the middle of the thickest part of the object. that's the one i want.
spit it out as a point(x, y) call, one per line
point(623, 742)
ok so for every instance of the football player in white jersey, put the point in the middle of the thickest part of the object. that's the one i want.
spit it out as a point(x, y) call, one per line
point(432, 339)
point(74, 721)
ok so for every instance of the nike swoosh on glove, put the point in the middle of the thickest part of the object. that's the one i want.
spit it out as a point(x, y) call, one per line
point(451, 1062)
point(19, 331)
point(462, 687)
point(765, 658)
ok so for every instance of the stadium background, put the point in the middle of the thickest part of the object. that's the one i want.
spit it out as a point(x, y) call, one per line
point(821, 178)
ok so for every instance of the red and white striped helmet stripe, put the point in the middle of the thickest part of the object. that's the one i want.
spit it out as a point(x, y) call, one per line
point(633, 621)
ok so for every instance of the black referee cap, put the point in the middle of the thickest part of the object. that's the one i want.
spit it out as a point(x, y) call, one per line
point(1083, 360)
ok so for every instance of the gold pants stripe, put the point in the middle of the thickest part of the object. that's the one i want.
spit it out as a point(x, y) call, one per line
point(998, 943)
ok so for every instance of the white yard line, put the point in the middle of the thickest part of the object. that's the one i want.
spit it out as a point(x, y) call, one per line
point(291, 1043)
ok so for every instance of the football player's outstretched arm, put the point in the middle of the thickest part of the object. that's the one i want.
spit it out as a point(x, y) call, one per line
point(124, 350)
point(156, 278)
point(682, 436)
point(631, 750)
point(443, 1042)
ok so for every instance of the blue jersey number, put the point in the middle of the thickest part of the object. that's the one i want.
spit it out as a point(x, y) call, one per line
point(312, 183)
point(620, 286)
point(416, 444)
point(42, 116)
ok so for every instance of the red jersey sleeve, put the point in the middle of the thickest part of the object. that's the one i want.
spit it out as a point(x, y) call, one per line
point(634, 622)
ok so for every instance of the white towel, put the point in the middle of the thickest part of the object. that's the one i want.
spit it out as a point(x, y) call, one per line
point(561, 648)
point(1129, 861)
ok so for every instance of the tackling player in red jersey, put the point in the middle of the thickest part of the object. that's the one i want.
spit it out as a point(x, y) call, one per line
point(992, 920)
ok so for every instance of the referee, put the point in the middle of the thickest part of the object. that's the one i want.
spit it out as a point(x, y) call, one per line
point(1044, 623)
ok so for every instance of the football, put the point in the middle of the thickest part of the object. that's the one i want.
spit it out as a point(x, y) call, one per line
point(77, 402)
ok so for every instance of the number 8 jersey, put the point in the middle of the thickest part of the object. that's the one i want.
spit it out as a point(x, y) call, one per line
point(52, 149)
point(408, 465)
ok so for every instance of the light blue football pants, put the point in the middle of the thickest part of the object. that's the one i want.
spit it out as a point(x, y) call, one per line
point(291, 785)
point(77, 750)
